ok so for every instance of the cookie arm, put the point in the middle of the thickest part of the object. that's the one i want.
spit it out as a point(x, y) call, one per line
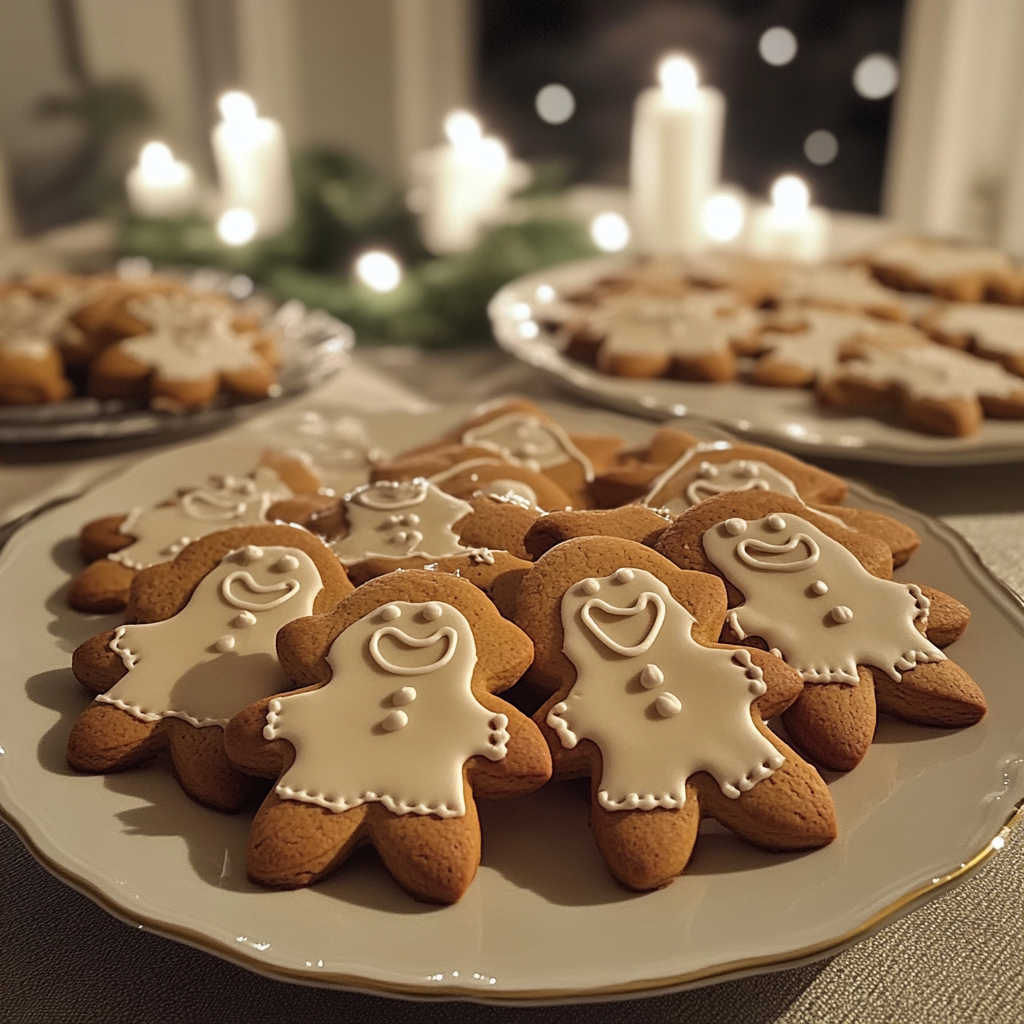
point(526, 766)
point(103, 537)
point(95, 665)
point(246, 747)
point(947, 617)
point(934, 693)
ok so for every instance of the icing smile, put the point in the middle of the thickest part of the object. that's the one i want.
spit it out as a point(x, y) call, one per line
point(444, 633)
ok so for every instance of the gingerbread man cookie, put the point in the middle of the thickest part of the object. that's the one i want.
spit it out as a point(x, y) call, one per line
point(199, 646)
point(668, 723)
point(396, 731)
point(800, 584)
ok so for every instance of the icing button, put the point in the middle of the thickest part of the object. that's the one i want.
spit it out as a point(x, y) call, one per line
point(776, 522)
point(590, 586)
point(286, 563)
point(432, 611)
point(735, 526)
point(623, 575)
point(400, 538)
point(708, 471)
point(819, 587)
point(390, 612)
point(411, 520)
point(667, 705)
point(224, 644)
point(841, 614)
point(406, 695)
point(250, 553)
point(243, 619)
point(395, 720)
point(651, 676)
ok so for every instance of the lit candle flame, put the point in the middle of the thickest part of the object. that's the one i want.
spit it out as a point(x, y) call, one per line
point(379, 270)
point(724, 216)
point(463, 129)
point(237, 107)
point(678, 78)
point(790, 197)
point(155, 157)
point(236, 226)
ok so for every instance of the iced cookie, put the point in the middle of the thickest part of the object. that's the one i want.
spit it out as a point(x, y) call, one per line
point(396, 732)
point(199, 646)
point(935, 389)
point(860, 641)
point(992, 332)
point(283, 487)
point(191, 350)
point(630, 522)
point(842, 288)
point(667, 723)
point(635, 468)
point(31, 366)
point(466, 470)
point(960, 272)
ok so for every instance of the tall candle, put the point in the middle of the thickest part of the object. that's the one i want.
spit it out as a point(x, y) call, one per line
point(790, 227)
point(252, 164)
point(159, 185)
point(675, 159)
point(461, 186)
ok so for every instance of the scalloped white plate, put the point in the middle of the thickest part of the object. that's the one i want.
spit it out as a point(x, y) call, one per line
point(787, 417)
point(543, 921)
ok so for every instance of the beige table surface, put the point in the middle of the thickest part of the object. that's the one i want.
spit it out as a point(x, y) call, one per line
point(958, 959)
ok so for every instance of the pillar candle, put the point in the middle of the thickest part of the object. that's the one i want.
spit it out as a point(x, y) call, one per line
point(675, 159)
point(252, 164)
point(159, 185)
point(790, 228)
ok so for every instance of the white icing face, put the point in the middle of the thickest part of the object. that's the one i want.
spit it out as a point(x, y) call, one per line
point(817, 347)
point(500, 487)
point(398, 519)
point(398, 719)
point(218, 653)
point(659, 705)
point(934, 372)
point(692, 479)
point(29, 325)
point(995, 328)
point(522, 438)
point(224, 502)
point(191, 338)
point(808, 596)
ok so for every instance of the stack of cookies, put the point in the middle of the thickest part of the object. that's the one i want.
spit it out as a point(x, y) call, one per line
point(154, 341)
point(942, 359)
point(699, 629)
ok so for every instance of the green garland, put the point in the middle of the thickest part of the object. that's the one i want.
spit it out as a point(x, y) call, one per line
point(343, 209)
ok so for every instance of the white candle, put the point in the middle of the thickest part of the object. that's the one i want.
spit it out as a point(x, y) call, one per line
point(252, 164)
point(463, 185)
point(159, 185)
point(675, 159)
point(790, 228)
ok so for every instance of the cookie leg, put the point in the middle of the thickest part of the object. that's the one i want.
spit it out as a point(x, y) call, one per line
point(101, 588)
point(646, 849)
point(202, 768)
point(834, 723)
point(433, 858)
point(292, 843)
point(107, 739)
point(935, 693)
point(790, 810)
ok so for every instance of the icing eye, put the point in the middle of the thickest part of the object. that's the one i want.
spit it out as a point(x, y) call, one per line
point(243, 619)
point(406, 695)
point(395, 720)
point(224, 644)
point(286, 563)
point(249, 554)
point(432, 611)
point(393, 520)
point(590, 586)
point(747, 469)
point(819, 587)
point(667, 705)
point(623, 575)
point(841, 614)
point(776, 523)
point(734, 527)
point(776, 652)
point(390, 612)
point(707, 471)
point(651, 677)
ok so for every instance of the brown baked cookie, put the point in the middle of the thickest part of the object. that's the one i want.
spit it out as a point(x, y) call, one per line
point(199, 647)
point(283, 487)
point(635, 468)
point(396, 731)
point(497, 573)
point(833, 286)
point(630, 522)
point(466, 470)
point(520, 431)
point(668, 723)
point(31, 366)
point(190, 351)
point(807, 589)
point(394, 524)
point(983, 329)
